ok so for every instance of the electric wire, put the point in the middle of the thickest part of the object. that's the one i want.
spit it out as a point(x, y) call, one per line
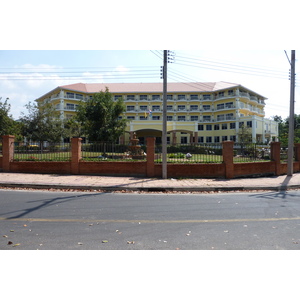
point(224, 69)
point(232, 63)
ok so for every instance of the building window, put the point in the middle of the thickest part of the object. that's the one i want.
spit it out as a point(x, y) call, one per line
point(206, 107)
point(156, 118)
point(130, 108)
point(143, 108)
point(200, 127)
point(206, 97)
point(70, 106)
point(183, 140)
point(200, 139)
point(217, 139)
point(229, 105)
point(241, 124)
point(208, 139)
point(249, 124)
point(78, 96)
point(143, 118)
point(181, 97)
point(169, 118)
point(130, 97)
point(220, 117)
point(229, 117)
point(216, 127)
point(70, 95)
point(208, 127)
point(194, 118)
point(221, 94)
point(155, 97)
point(233, 138)
point(230, 92)
point(194, 107)
point(169, 97)
point(224, 126)
point(143, 97)
point(206, 118)
point(232, 125)
point(224, 138)
point(194, 97)
point(130, 118)
point(181, 107)
point(181, 118)
point(220, 106)
point(169, 107)
point(116, 97)
point(155, 108)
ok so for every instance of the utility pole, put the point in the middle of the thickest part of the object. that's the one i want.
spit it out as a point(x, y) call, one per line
point(164, 118)
point(291, 119)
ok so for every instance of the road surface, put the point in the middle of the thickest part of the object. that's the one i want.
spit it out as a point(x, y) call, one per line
point(218, 221)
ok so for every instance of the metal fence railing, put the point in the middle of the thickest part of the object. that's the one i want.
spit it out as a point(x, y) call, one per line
point(111, 151)
point(284, 154)
point(42, 152)
point(191, 153)
point(249, 152)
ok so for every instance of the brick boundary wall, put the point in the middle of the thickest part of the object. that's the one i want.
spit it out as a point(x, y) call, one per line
point(148, 168)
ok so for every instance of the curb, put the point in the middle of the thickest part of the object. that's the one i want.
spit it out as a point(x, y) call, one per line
point(149, 189)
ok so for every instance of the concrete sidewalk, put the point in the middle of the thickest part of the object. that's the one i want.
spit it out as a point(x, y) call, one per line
point(109, 183)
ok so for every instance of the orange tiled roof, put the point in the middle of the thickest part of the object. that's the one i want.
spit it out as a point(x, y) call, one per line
point(149, 87)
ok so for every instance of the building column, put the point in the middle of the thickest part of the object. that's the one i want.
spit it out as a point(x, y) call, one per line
point(61, 104)
point(253, 129)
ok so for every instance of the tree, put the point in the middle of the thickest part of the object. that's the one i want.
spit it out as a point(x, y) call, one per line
point(42, 123)
point(72, 127)
point(7, 124)
point(245, 134)
point(100, 117)
point(283, 128)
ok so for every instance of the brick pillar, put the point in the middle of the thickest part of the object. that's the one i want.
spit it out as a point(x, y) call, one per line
point(150, 156)
point(196, 137)
point(297, 154)
point(7, 151)
point(174, 138)
point(228, 158)
point(275, 156)
point(75, 155)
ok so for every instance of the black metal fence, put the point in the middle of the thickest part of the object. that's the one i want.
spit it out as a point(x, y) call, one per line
point(191, 153)
point(249, 152)
point(106, 150)
point(42, 152)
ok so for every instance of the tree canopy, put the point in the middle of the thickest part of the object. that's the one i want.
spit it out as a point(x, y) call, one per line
point(283, 128)
point(42, 123)
point(100, 119)
point(7, 124)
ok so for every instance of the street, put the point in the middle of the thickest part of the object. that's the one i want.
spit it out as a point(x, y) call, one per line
point(132, 221)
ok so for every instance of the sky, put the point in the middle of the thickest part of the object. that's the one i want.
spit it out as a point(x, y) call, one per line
point(57, 44)
point(26, 75)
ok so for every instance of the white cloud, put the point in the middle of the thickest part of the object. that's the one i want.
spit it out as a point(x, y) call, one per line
point(122, 69)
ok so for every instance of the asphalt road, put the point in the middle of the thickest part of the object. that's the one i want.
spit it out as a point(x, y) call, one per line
point(76, 220)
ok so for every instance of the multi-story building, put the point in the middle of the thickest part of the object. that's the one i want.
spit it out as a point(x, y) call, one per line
point(197, 112)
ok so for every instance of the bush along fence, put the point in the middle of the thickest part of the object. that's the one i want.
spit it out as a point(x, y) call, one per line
point(223, 160)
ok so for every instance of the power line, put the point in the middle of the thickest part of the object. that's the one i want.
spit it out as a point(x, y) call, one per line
point(227, 69)
point(232, 63)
